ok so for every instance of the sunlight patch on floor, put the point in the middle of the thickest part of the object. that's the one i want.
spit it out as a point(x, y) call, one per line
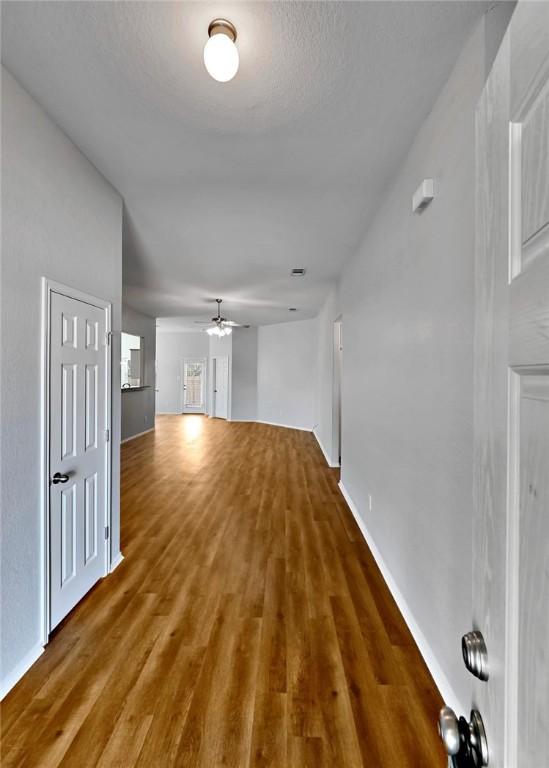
point(193, 426)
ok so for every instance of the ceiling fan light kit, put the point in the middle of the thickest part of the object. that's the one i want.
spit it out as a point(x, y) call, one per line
point(219, 331)
point(220, 325)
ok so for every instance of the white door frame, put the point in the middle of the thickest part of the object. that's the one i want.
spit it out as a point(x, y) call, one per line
point(49, 287)
point(182, 381)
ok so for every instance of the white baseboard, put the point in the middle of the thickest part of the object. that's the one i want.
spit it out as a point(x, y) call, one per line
point(441, 681)
point(244, 421)
point(286, 426)
point(116, 562)
point(16, 674)
point(329, 462)
point(132, 437)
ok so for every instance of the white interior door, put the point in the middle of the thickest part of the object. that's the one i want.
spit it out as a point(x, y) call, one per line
point(194, 385)
point(511, 520)
point(221, 387)
point(77, 451)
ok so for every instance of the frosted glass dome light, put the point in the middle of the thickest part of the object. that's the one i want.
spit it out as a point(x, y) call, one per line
point(220, 52)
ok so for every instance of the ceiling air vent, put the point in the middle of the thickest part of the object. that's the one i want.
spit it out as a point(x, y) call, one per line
point(298, 271)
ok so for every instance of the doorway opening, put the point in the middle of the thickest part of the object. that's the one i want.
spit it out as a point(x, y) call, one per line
point(193, 395)
point(336, 389)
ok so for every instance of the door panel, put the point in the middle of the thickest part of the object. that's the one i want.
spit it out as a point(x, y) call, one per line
point(91, 407)
point(533, 641)
point(511, 490)
point(90, 518)
point(78, 450)
point(535, 168)
point(68, 404)
point(68, 534)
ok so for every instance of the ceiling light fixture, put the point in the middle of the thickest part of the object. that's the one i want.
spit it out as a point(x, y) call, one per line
point(220, 326)
point(219, 330)
point(220, 52)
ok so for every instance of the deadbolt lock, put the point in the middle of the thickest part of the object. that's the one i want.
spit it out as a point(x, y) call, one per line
point(475, 654)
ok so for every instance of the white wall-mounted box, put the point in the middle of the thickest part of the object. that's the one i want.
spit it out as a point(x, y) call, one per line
point(423, 195)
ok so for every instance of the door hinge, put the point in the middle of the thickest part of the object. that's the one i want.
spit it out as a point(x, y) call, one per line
point(108, 335)
point(107, 435)
point(107, 532)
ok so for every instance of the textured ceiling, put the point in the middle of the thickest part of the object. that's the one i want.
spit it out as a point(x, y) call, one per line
point(229, 186)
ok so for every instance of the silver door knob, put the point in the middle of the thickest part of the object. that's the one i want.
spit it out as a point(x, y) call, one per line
point(464, 741)
point(448, 728)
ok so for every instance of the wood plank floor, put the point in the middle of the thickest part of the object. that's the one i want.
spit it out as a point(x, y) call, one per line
point(247, 626)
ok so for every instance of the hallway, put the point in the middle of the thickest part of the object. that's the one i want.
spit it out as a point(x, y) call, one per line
point(247, 626)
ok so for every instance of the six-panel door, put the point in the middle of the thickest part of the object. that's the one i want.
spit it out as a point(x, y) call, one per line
point(511, 520)
point(78, 451)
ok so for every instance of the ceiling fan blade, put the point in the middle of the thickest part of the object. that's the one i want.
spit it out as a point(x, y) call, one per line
point(202, 322)
point(235, 325)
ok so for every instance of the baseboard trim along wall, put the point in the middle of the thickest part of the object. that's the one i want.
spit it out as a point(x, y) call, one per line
point(235, 421)
point(329, 462)
point(243, 421)
point(286, 426)
point(139, 434)
point(441, 681)
point(22, 668)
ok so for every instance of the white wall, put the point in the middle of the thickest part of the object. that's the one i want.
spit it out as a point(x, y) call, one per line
point(244, 374)
point(138, 405)
point(407, 305)
point(171, 348)
point(62, 220)
point(221, 346)
point(287, 361)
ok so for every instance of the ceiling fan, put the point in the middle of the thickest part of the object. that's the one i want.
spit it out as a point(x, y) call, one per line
point(221, 326)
